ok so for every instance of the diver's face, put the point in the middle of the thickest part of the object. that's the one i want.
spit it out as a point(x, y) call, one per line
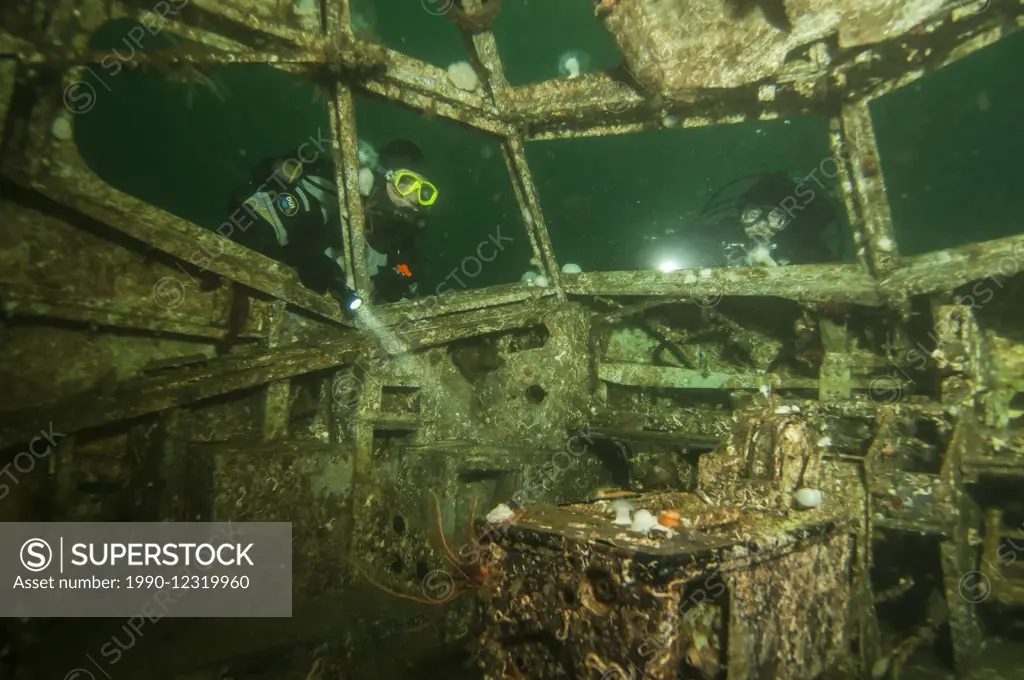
point(763, 223)
point(404, 202)
point(408, 207)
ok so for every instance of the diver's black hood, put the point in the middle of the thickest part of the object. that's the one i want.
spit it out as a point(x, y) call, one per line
point(403, 155)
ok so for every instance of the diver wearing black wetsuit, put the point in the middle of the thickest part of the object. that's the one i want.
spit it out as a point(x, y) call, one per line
point(295, 220)
point(395, 213)
point(775, 218)
point(790, 215)
point(294, 208)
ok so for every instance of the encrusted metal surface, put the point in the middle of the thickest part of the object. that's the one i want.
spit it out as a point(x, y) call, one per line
point(192, 378)
point(676, 47)
point(575, 596)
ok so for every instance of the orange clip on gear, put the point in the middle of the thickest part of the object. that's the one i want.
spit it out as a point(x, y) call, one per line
point(404, 270)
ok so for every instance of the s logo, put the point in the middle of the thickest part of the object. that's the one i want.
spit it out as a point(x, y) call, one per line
point(288, 205)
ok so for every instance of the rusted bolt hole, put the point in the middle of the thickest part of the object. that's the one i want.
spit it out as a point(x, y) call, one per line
point(536, 393)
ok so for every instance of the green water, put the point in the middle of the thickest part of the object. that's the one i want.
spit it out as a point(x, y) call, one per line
point(950, 143)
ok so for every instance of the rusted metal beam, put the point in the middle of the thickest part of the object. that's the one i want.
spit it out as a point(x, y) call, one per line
point(958, 556)
point(403, 339)
point(263, 449)
point(990, 263)
point(485, 50)
point(642, 375)
point(803, 283)
point(978, 466)
point(120, 312)
point(172, 58)
point(366, 413)
point(1006, 587)
point(70, 182)
point(343, 121)
point(533, 215)
point(420, 101)
point(559, 107)
point(472, 324)
point(844, 174)
point(150, 395)
point(171, 449)
point(275, 402)
point(259, 19)
point(410, 311)
point(861, 174)
point(426, 87)
point(338, 19)
point(835, 373)
point(957, 33)
point(53, 168)
point(600, 104)
point(225, 375)
point(687, 441)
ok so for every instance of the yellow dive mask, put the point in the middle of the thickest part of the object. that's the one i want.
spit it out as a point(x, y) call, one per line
point(406, 182)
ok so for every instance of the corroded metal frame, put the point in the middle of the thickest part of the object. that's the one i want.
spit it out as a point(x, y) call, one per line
point(595, 104)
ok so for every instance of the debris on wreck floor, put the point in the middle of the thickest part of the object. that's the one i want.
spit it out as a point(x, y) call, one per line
point(674, 585)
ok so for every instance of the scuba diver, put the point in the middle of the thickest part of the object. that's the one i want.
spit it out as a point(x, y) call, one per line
point(395, 206)
point(775, 221)
point(294, 205)
point(294, 208)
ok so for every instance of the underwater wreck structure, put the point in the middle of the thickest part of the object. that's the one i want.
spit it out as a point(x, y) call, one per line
point(542, 398)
